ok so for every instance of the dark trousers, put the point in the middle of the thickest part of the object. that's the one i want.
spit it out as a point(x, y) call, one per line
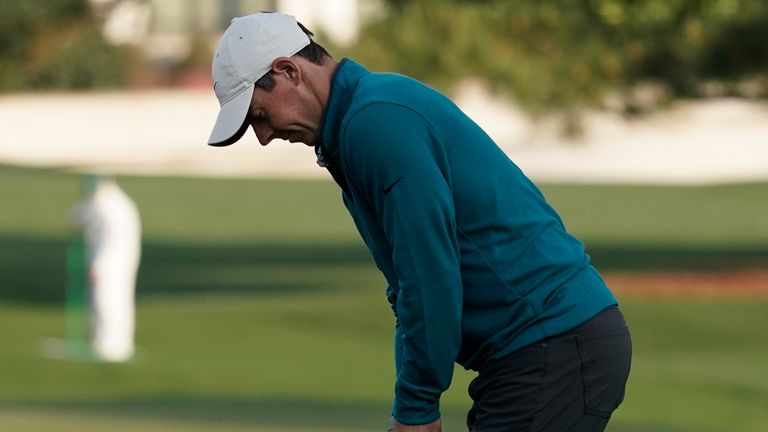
point(571, 382)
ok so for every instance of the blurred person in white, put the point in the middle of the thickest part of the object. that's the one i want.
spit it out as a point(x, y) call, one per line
point(112, 228)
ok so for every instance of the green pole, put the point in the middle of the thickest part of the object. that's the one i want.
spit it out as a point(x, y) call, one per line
point(76, 332)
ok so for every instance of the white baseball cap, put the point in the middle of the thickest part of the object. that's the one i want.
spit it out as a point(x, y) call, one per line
point(245, 53)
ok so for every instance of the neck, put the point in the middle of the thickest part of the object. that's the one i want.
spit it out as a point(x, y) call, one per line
point(320, 81)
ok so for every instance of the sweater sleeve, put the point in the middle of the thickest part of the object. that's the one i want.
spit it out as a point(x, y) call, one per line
point(394, 155)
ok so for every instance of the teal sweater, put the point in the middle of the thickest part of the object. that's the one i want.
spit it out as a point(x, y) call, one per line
point(478, 264)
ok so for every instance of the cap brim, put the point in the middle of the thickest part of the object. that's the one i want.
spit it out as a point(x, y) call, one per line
point(230, 125)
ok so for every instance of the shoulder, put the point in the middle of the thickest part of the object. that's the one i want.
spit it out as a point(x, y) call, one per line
point(389, 104)
point(384, 140)
point(392, 118)
point(385, 124)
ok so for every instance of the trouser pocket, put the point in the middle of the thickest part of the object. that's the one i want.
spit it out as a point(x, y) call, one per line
point(605, 362)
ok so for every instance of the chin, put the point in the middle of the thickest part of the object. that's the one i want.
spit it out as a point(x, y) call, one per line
point(307, 140)
point(301, 138)
point(302, 141)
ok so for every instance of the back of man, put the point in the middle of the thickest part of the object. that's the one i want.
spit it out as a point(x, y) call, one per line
point(522, 273)
point(478, 264)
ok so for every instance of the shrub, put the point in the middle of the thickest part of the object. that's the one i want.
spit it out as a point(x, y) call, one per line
point(55, 44)
point(566, 53)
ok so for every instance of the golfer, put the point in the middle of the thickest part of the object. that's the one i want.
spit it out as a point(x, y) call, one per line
point(481, 270)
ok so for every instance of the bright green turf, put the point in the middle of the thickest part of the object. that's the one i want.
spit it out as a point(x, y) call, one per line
point(258, 309)
point(208, 210)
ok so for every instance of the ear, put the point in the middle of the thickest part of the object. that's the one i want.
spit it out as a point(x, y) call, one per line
point(287, 67)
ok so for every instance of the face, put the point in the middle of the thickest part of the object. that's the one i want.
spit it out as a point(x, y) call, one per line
point(287, 111)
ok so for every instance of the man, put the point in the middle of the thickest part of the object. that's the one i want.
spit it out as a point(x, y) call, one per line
point(481, 270)
point(112, 227)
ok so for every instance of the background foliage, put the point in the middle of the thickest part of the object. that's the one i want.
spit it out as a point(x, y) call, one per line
point(55, 44)
point(546, 54)
point(561, 53)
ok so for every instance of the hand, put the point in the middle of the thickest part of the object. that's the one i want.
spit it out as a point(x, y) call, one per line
point(435, 426)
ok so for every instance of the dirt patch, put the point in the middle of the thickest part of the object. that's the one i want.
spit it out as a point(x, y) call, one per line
point(727, 284)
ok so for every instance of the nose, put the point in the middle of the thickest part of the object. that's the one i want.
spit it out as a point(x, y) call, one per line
point(264, 133)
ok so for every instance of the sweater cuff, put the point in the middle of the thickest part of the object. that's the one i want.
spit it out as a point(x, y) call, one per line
point(411, 411)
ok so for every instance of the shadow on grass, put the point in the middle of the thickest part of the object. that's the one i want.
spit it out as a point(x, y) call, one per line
point(275, 414)
point(32, 270)
point(278, 413)
point(664, 258)
point(258, 269)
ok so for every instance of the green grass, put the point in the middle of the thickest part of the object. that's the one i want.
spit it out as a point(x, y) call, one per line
point(259, 309)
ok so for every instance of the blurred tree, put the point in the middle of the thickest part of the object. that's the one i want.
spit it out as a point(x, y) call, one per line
point(568, 53)
point(55, 44)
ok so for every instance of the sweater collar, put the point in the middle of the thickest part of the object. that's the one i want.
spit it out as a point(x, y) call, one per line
point(343, 85)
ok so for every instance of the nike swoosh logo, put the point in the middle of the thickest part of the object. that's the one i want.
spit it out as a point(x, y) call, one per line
point(388, 189)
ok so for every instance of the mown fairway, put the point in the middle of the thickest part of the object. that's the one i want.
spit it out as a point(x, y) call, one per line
point(260, 310)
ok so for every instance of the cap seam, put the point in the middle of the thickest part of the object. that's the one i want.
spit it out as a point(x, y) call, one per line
point(233, 70)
